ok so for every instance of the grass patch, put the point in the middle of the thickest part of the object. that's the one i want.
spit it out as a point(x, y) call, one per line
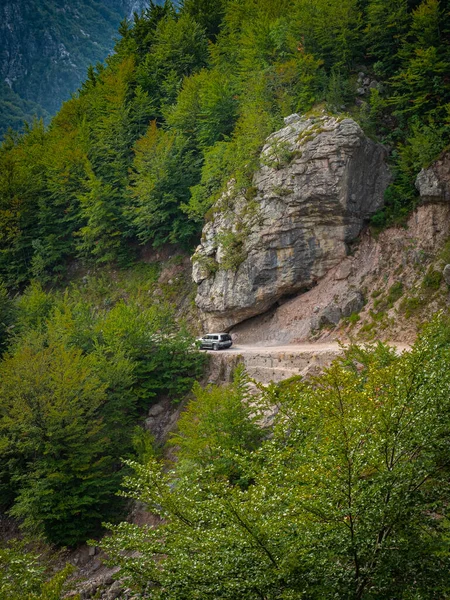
point(395, 293)
point(444, 254)
point(280, 191)
point(432, 279)
point(384, 303)
point(412, 305)
point(353, 319)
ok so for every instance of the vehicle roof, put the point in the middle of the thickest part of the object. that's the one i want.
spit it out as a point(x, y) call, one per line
point(214, 333)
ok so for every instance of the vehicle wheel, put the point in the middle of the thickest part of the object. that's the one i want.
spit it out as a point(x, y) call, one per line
point(215, 346)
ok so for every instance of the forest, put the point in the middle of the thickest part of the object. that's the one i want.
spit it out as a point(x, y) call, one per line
point(346, 496)
point(46, 47)
point(184, 104)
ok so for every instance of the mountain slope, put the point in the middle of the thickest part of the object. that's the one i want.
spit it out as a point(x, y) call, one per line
point(46, 47)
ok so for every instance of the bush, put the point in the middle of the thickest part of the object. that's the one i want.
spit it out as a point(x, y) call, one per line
point(354, 318)
point(23, 576)
point(346, 498)
point(395, 293)
point(432, 279)
point(232, 247)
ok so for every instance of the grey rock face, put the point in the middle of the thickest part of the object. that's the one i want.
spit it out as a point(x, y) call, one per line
point(132, 6)
point(365, 84)
point(429, 186)
point(352, 304)
point(331, 315)
point(292, 119)
point(446, 274)
point(433, 183)
point(320, 178)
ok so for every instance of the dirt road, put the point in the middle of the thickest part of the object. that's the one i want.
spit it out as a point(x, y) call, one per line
point(295, 348)
point(266, 363)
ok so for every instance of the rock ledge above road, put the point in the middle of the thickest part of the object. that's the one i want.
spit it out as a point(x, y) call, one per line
point(320, 179)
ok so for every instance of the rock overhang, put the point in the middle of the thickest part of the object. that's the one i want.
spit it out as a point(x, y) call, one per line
point(320, 179)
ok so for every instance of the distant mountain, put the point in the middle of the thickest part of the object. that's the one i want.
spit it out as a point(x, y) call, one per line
point(46, 47)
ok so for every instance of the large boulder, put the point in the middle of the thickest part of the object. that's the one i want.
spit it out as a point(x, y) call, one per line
point(320, 179)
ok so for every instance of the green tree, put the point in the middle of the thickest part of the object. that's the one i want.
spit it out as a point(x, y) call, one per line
point(218, 426)
point(346, 499)
point(138, 37)
point(74, 325)
point(331, 31)
point(386, 25)
point(421, 87)
point(419, 99)
point(58, 216)
point(165, 360)
point(179, 48)
point(206, 107)
point(33, 309)
point(22, 183)
point(163, 170)
point(23, 576)
point(111, 133)
point(208, 13)
point(56, 463)
point(100, 239)
point(7, 316)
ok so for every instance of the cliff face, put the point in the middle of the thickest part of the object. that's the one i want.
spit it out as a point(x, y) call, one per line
point(47, 45)
point(320, 179)
point(384, 290)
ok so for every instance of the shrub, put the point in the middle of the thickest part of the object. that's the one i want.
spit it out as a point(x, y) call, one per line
point(23, 576)
point(345, 499)
point(395, 293)
point(432, 279)
point(354, 318)
point(232, 247)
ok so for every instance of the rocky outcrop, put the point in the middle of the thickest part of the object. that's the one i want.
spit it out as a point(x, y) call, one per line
point(345, 305)
point(366, 84)
point(320, 178)
point(433, 183)
point(359, 288)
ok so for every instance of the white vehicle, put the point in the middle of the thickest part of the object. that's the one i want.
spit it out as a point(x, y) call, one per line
point(215, 341)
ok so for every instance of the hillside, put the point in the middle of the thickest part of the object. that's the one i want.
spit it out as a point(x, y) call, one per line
point(185, 105)
point(46, 48)
point(280, 170)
